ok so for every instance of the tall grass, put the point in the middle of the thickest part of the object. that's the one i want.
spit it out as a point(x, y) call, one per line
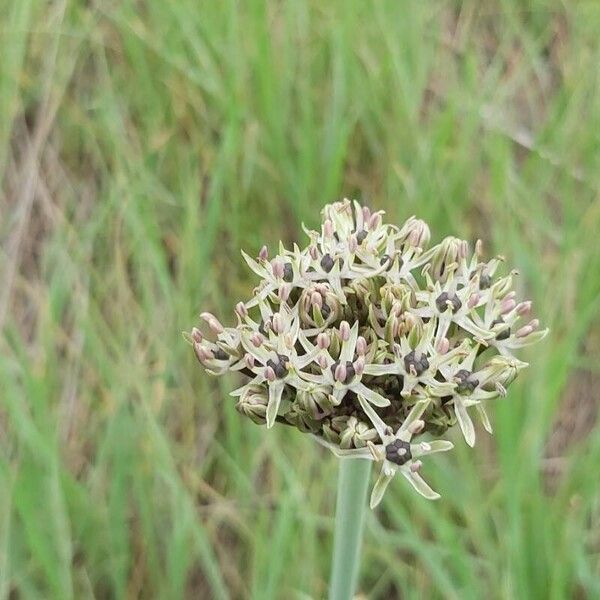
point(142, 144)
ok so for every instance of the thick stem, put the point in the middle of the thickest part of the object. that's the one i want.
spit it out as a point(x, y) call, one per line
point(353, 481)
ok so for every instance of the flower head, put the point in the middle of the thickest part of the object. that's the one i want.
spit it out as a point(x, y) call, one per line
point(369, 341)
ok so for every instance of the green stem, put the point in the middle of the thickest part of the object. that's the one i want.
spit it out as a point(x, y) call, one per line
point(353, 481)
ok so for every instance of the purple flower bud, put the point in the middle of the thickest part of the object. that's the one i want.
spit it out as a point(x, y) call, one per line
point(241, 310)
point(340, 373)
point(323, 341)
point(314, 252)
point(359, 366)
point(278, 268)
point(202, 353)
point(374, 221)
point(263, 254)
point(249, 361)
point(328, 228)
point(473, 300)
point(270, 374)
point(284, 292)
point(507, 305)
point(322, 360)
point(345, 331)
point(213, 322)
point(524, 308)
point(196, 335)
point(361, 345)
point(256, 340)
point(366, 211)
point(277, 323)
point(443, 345)
point(316, 299)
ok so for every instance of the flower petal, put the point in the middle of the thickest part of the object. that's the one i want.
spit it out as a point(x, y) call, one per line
point(372, 396)
point(417, 410)
point(464, 420)
point(419, 484)
point(424, 448)
point(275, 392)
point(379, 488)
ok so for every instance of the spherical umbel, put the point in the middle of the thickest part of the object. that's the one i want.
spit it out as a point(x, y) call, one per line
point(368, 339)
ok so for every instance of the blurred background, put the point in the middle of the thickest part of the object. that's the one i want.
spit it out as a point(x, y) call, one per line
point(142, 145)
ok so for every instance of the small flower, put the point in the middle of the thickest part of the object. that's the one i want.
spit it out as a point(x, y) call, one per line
point(368, 339)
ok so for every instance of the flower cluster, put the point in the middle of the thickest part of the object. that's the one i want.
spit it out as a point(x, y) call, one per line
point(367, 339)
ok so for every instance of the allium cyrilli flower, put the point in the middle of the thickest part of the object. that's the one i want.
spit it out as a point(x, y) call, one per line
point(371, 342)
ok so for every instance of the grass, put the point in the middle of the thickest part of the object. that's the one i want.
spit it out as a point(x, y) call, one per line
point(142, 144)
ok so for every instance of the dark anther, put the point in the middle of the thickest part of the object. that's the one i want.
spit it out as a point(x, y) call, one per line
point(398, 452)
point(446, 399)
point(467, 384)
point(279, 366)
point(220, 354)
point(361, 235)
point(503, 334)
point(496, 322)
point(442, 302)
point(350, 373)
point(261, 328)
point(288, 272)
point(385, 258)
point(325, 310)
point(485, 281)
point(327, 263)
point(336, 236)
point(421, 364)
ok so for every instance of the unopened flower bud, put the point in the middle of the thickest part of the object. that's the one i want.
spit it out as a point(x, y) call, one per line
point(340, 373)
point(213, 322)
point(328, 228)
point(443, 345)
point(322, 360)
point(249, 360)
point(196, 335)
point(359, 366)
point(345, 331)
point(314, 252)
point(316, 299)
point(524, 308)
point(323, 341)
point(507, 305)
point(419, 234)
point(202, 353)
point(374, 221)
point(241, 310)
point(361, 345)
point(473, 300)
point(445, 259)
point(270, 374)
point(284, 292)
point(278, 268)
point(263, 254)
point(256, 339)
point(277, 323)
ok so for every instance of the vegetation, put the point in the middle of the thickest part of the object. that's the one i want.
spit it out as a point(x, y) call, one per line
point(142, 144)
